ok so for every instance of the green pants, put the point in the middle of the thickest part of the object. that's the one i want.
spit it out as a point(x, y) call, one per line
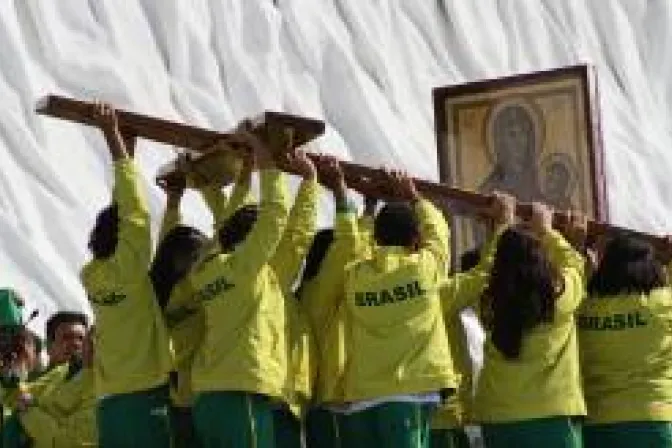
point(182, 426)
point(628, 434)
point(389, 425)
point(138, 419)
point(323, 429)
point(449, 438)
point(13, 435)
point(553, 432)
point(287, 429)
point(233, 419)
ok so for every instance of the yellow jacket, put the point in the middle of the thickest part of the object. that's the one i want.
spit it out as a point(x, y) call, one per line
point(122, 298)
point(65, 415)
point(545, 381)
point(396, 336)
point(626, 356)
point(245, 347)
point(322, 302)
point(286, 263)
point(455, 411)
point(185, 317)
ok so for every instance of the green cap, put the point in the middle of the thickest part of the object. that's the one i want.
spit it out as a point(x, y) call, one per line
point(10, 308)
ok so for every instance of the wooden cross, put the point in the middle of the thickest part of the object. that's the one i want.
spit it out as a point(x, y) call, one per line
point(289, 132)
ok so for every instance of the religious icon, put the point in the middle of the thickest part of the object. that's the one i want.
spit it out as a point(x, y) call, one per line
point(535, 136)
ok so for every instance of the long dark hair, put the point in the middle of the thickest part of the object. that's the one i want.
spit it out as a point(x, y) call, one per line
point(629, 265)
point(316, 254)
point(237, 227)
point(175, 256)
point(105, 234)
point(521, 292)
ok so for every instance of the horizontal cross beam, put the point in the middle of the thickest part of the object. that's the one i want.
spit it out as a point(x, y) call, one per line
point(297, 131)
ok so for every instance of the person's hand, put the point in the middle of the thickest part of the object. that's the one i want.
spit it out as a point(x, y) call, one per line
point(331, 174)
point(174, 183)
point(370, 204)
point(503, 209)
point(262, 152)
point(403, 185)
point(106, 117)
point(578, 229)
point(249, 162)
point(299, 162)
point(24, 400)
point(541, 219)
point(174, 187)
point(664, 249)
point(120, 145)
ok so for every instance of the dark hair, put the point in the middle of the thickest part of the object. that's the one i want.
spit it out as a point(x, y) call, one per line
point(521, 291)
point(470, 259)
point(175, 256)
point(105, 233)
point(318, 250)
point(629, 265)
point(64, 317)
point(237, 227)
point(396, 224)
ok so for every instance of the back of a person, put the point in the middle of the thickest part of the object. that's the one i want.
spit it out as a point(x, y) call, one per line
point(528, 392)
point(393, 302)
point(129, 307)
point(543, 381)
point(626, 349)
point(247, 338)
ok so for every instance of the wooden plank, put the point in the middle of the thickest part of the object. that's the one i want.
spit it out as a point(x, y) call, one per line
point(371, 181)
point(295, 130)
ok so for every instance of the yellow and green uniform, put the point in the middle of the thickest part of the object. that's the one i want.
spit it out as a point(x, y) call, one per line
point(454, 412)
point(131, 340)
point(398, 357)
point(13, 432)
point(286, 263)
point(322, 301)
point(626, 354)
point(245, 347)
point(396, 335)
point(544, 384)
point(185, 317)
point(65, 415)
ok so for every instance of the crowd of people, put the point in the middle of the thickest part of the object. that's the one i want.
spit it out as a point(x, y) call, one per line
point(276, 334)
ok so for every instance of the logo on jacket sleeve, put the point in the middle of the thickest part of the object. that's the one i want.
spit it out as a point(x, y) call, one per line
point(612, 322)
point(399, 293)
point(108, 299)
point(213, 289)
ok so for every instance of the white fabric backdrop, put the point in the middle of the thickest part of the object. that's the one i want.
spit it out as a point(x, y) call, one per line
point(366, 67)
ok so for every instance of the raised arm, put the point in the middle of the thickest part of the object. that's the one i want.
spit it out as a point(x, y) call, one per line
point(434, 237)
point(260, 244)
point(174, 189)
point(301, 225)
point(570, 264)
point(366, 223)
point(222, 206)
point(464, 289)
point(320, 294)
point(134, 239)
